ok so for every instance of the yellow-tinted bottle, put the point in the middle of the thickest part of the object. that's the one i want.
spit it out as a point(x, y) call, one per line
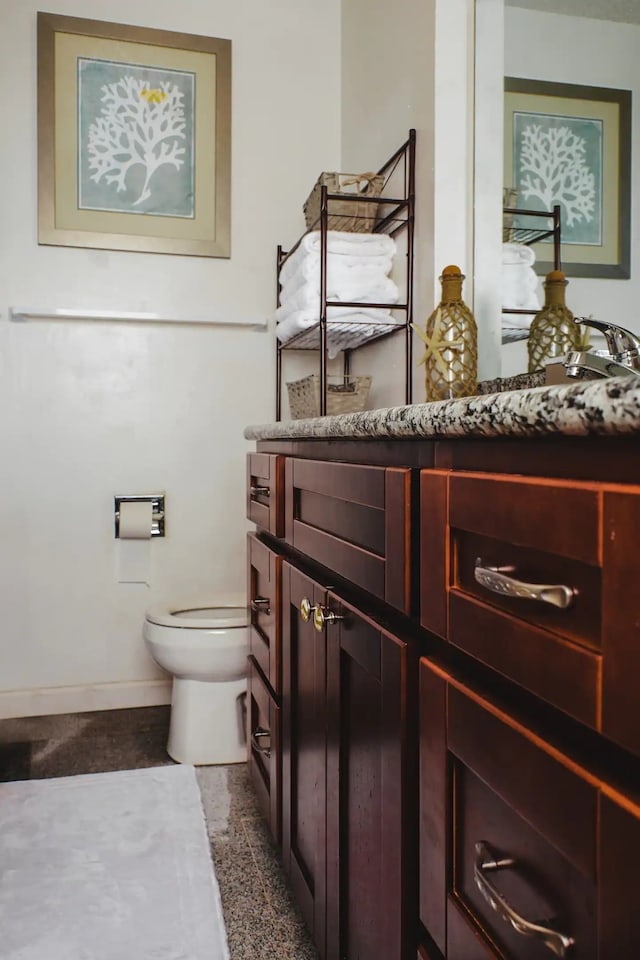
point(451, 357)
point(553, 332)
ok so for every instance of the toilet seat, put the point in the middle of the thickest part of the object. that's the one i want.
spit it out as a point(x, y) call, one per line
point(198, 616)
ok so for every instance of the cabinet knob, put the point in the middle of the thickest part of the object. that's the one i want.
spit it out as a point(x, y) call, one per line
point(558, 943)
point(322, 617)
point(306, 609)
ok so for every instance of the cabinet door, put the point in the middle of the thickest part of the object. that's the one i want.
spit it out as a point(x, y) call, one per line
point(368, 825)
point(304, 749)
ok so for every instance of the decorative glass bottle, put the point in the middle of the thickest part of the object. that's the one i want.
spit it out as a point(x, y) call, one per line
point(451, 339)
point(553, 332)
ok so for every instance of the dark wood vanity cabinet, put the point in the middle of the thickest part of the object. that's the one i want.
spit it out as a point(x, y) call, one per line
point(415, 810)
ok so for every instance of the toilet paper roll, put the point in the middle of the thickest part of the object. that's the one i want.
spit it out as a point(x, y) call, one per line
point(133, 559)
point(136, 520)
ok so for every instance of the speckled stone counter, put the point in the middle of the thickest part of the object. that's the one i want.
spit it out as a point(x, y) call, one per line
point(590, 408)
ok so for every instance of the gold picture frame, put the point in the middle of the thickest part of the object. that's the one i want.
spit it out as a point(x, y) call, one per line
point(129, 158)
point(590, 129)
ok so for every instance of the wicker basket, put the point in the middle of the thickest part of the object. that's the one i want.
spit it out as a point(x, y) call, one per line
point(344, 395)
point(509, 199)
point(353, 216)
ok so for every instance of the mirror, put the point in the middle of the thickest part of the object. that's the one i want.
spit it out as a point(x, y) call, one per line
point(590, 43)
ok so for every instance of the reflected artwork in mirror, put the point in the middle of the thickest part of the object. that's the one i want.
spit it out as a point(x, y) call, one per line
point(549, 61)
point(570, 145)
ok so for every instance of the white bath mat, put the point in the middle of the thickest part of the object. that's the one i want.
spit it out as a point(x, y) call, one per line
point(108, 866)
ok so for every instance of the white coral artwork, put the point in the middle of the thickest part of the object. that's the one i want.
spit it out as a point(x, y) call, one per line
point(559, 161)
point(138, 125)
point(135, 134)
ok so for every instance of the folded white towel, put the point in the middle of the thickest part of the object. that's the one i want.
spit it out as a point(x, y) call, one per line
point(378, 290)
point(340, 243)
point(352, 329)
point(340, 270)
point(518, 253)
point(520, 286)
point(309, 315)
point(517, 321)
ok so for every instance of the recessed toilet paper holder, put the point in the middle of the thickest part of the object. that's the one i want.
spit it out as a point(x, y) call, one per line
point(157, 511)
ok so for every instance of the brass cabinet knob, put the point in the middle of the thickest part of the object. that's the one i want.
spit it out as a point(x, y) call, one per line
point(306, 609)
point(322, 617)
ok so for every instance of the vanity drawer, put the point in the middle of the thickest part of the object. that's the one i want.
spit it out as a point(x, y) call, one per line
point(264, 748)
point(265, 492)
point(507, 817)
point(355, 521)
point(509, 536)
point(264, 582)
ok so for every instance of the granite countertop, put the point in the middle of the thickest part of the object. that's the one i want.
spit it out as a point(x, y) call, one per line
point(594, 407)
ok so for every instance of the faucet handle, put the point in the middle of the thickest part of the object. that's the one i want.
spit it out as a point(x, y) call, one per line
point(621, 343)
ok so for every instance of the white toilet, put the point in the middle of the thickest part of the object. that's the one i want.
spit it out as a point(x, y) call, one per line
point(205, 648)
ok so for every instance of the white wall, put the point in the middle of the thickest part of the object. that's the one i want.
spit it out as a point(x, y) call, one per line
point(413, 68)
point(90, 409)
point(600, 53)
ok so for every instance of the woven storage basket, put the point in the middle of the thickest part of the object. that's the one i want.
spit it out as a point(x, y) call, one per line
point(509, 199)
point(353, 216)
point(344, 395)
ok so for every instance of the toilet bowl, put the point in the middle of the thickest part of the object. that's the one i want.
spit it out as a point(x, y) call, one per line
point(205, 648)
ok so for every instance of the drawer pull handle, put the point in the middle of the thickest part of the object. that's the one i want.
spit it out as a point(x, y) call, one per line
point(259, 491)
point(322, 617)
point(259, 734)
point(306, 609)
point(261, 605)
point(486, 862)
point(494, 579)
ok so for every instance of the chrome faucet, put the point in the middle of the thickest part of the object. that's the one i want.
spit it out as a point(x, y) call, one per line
point(620, 359)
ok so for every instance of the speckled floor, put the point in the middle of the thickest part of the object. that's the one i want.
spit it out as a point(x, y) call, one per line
point(261, 918)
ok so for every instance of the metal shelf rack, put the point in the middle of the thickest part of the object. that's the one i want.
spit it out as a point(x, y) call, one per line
point(394, 215)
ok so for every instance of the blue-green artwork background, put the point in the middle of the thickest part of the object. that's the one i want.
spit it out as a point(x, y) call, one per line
point(172, 191)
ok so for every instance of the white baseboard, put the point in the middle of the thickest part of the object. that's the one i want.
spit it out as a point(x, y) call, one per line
point(44, 701)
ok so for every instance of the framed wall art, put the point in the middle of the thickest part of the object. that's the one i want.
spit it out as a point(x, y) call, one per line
point(571, 145)
point(134, 138)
